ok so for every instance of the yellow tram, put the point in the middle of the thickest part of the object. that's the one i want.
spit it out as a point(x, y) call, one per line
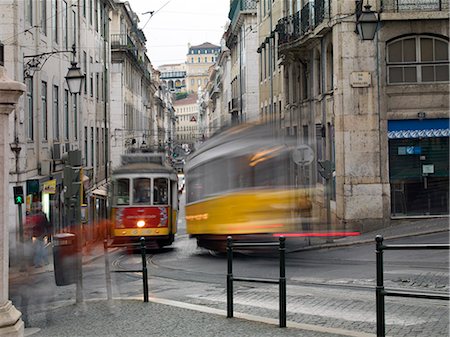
point(242, 183)
point(144, 200)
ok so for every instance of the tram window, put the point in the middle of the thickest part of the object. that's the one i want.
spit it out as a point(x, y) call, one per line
point(160, 191)
point(122, 191)
point(142, 191)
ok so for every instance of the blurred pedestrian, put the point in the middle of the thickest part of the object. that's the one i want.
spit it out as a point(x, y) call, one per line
point(41, 230)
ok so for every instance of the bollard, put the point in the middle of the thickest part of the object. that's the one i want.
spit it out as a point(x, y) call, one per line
point(230, 277)
point(144, 269)
point(282, 282)
point(107, 271)
point(379, 291)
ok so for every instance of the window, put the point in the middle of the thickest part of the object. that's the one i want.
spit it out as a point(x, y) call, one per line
point(86, 149)
point(55, 112)
point(141, 191)
point(122, 191)
point(160, 191)
point(55, 20)
point(29, 11)
point(91, 78)
point(30, 112)
point(418, 59)
point(44, 17)
point(65, 32)
point(75, 117)
point(97, 147)
point(44, 111)
point(66, 114)
point(92, 146)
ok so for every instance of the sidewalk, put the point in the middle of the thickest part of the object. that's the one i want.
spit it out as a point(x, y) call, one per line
point(133, 318)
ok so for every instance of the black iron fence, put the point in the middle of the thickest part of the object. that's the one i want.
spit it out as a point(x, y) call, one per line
point(108, 271)
point(381, 292)
point(281, 281)
point(414, 5)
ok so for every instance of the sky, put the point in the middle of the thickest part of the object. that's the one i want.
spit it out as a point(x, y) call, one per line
point(175, 23)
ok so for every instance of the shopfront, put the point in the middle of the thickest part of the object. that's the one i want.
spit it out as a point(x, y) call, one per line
point(419, 167)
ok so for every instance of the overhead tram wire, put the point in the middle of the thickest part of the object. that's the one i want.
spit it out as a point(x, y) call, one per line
point(154, 12)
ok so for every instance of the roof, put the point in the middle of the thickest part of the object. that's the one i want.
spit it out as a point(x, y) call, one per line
point(190, 99)
point(205, 45)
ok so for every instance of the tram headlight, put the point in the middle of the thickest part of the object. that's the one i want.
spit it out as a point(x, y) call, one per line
point(140, 223)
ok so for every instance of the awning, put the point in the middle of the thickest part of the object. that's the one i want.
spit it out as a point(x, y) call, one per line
point(100, 191)
point(418, 128)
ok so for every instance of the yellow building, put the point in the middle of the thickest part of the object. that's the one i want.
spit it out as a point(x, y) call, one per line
point(198, 61)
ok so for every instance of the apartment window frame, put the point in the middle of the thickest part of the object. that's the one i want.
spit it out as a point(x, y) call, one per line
point(30, 109)
point(44, 17)
point(55, 98)
point(66, 115)
point(44, 112)
point(55, 27)
point(411, 62)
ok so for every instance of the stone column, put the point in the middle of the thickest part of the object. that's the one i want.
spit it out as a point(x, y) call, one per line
point(11, 324)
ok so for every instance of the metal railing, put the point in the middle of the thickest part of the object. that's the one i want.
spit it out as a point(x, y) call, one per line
point(380, 291)
point(281, 282)
point(414, 5)
point(143, 270)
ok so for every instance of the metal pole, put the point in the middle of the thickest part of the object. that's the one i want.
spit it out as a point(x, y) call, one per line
point(22, 241)
point(379, 291)
point(144, 269)
point(282, 282)
point(230, 277)
point(107, 271)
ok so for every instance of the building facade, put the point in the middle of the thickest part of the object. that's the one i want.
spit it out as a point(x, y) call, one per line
point(187, 113)
point(375, 111)
point(132, 85)
point(173, 76)
point(242, 41)
point(198, 61)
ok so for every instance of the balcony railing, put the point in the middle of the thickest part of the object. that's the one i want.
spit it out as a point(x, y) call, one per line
point(414, 5)
point(124, 42)
point(305, 18)
point(240, 6)
point(322, 11)
point(312, 14)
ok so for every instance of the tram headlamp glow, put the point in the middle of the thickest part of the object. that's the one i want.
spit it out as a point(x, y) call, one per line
point(140, 223)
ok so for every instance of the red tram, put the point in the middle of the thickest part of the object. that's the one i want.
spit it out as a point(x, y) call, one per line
point(144, 200)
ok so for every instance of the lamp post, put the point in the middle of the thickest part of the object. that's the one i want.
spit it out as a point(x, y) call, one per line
point(11, 323)
point(367, 23)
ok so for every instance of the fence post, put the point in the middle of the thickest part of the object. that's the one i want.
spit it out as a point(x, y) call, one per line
point(381, 328)
point(230, 277)
point(282, 282)
point(144, 269)
point(107, 271)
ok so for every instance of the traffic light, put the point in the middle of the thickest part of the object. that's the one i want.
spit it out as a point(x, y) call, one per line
point(71, 182)
point(18, 195)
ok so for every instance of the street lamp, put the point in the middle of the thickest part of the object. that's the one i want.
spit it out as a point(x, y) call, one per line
point(74, 76)
point(367, 23)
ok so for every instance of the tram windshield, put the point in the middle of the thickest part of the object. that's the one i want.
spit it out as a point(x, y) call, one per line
point(142, 191)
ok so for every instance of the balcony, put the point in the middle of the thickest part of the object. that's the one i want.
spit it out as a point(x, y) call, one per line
point(397, 6)
point(295, 27)
point(123, 42)
point(241, 6)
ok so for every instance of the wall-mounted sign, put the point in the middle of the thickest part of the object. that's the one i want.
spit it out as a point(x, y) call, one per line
point(49, 187)
point(360, 79)
point(427, 169)
point(193, 119)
